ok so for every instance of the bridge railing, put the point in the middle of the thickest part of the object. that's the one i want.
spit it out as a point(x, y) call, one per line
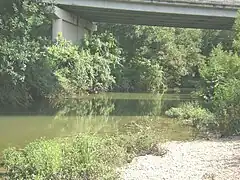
point(199, 2)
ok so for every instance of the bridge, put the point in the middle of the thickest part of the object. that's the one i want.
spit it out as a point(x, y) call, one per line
point(76, 17)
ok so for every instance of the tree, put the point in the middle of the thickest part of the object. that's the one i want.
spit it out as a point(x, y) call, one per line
point(24, 71)
point(174, 52)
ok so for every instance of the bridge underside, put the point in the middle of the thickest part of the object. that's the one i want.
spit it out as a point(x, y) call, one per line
point(151, 19)
point(152, 13)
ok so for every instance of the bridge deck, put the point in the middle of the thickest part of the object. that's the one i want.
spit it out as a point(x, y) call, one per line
point(230, 3)
point(212, 14)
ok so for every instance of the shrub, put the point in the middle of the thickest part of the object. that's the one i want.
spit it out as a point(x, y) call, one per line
point(220, 67)
point(156, 57)
point(70, 65)
point(139, 144)
point(193, 114)
point(90, 67)
point(83, 157)
point(91, 157)
point(106, 60)
point(227, 106)
point(139, 138)
point(86, 156)
point(24, 71)
point(38, 160)
point(221, 86)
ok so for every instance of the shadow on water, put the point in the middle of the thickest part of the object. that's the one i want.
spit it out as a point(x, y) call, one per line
point(102, 113)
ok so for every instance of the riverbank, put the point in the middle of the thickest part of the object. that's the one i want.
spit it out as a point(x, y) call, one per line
point(95, 155)
point(217, 159)
point(193, 160)
point(98, 134)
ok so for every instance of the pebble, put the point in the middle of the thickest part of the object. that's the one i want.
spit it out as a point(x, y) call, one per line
point(195, 160)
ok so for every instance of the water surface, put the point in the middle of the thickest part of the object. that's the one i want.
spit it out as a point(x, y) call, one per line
point(102, 113)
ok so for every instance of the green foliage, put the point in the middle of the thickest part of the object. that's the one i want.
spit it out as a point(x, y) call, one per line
point(221, 78)
point(236, 42)
point(212, 38)
point(106, 62)
point(25, 18)
point(227, 106)
point(221, 67)
point(164, 55)
point(38, 160)
point(70, 65)
point(140, 138)
point(85, 156)
point(193, 114)
point(104, 45)
point(149, 76)
point(91, 66)
point(91, 157)
point(24, 71)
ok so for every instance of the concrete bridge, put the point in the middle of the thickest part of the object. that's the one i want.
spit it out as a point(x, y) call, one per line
point(76, 17)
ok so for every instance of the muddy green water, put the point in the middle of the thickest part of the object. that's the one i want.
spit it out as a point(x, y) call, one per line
point(102, 113)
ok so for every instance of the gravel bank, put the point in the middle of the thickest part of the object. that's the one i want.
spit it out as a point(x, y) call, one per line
point(196, 160)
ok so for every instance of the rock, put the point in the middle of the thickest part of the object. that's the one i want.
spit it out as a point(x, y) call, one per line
point(158, 150)
point(208, 176)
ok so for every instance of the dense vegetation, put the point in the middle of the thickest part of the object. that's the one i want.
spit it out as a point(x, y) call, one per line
point(124, 58)
point(85, 156)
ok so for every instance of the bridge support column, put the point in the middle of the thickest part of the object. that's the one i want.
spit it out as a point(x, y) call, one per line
point(71, 26)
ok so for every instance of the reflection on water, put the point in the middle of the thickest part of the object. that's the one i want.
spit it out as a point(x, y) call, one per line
point(102, 113)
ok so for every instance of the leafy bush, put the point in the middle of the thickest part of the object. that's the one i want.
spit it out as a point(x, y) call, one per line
point(227, 106)
point(24, 71)
point(70, 65)
point(193, 114)
point(31, 67)
point(155, 56)
point(151, 75)
point(91, 157)
point(140, 144)
point(221, 67)
point(84, 68)
point(24, 74)
point(221, 78)
point(106, 60)
point(38, 160)
point(86, 156)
